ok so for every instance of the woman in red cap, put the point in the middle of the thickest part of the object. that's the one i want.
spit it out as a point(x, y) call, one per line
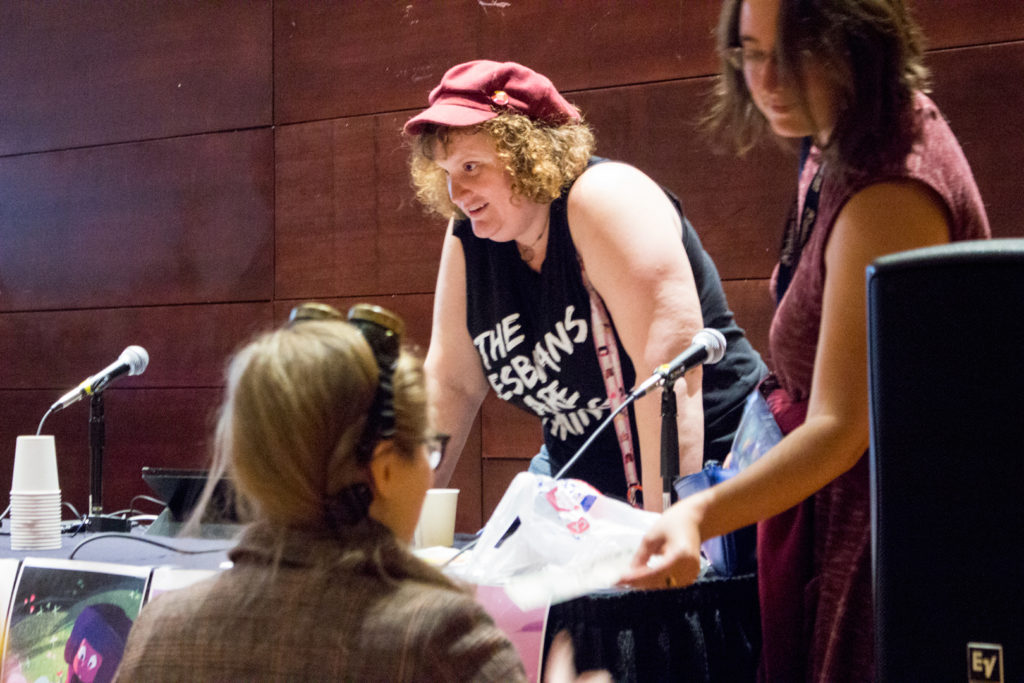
point(564, 279)
point(882, 172)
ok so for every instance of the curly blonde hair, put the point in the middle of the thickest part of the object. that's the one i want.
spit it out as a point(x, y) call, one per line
point(542, 159)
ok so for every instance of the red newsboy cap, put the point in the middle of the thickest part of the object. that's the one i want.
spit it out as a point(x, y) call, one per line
point(476, 91)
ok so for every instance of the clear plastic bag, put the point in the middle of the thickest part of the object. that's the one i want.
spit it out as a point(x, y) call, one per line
point(757, 432)
point(570, 540)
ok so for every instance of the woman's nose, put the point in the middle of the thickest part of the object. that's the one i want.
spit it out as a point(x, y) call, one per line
point(770, 73)
point(761, 70)
point(455, 188)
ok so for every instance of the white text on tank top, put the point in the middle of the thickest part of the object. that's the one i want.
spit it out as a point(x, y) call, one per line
point(517, 371)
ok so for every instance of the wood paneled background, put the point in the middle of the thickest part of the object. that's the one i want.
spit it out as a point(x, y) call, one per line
point(179, 174)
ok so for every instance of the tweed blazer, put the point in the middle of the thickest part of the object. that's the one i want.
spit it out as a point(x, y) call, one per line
point(310, 606)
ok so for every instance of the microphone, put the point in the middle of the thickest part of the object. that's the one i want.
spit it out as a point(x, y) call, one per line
point(133, 361)
point(707, 348)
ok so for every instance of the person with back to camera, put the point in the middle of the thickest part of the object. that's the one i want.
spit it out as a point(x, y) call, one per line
point(324, 438)
point(882, 173)
point(563, 278)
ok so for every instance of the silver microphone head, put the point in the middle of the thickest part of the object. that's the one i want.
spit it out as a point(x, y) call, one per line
point(714, 342)
point(137, 359)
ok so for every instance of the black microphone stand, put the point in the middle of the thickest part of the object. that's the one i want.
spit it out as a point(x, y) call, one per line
point(669, 442)
point(96, 520)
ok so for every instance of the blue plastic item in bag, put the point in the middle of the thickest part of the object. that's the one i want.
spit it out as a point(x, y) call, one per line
point(735, 553)
point(731, 554)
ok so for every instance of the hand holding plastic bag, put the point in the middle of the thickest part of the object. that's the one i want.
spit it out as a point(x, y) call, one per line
point(571, 540)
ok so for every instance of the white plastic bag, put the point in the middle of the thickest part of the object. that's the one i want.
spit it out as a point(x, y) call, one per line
point(571, 540)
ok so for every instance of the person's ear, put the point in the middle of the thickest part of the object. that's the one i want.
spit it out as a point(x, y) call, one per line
point(384, 479)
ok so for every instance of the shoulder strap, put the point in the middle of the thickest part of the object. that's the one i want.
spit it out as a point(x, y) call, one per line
point(798, 228)
point(611, 370)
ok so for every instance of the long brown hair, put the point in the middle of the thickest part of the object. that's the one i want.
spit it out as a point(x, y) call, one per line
point(295, 409)
point(873, 51)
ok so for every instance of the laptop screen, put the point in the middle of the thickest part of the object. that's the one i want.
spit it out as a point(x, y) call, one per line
point(180, 490)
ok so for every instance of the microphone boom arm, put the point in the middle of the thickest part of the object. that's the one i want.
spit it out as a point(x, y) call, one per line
point(593, 435)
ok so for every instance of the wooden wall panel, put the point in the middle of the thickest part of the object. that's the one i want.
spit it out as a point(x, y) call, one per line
point(162, 428)
point(326, 237)
point(143, 427)
point(411, 239)
point(187, 345)
point(471, 478)
point(737, 205)
point(347, 222)
point(181, 220)
point(604, 43)
point(75, 74)
point(350, 58)
point(951, 23)
point(508, 432)
point(328, 61)
point(987, 115)
point(159, 418)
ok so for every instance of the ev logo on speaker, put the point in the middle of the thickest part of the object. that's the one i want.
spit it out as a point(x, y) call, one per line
point(984, 663)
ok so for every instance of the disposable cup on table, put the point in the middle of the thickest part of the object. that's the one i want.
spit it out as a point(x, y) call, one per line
point(436, 526)
point(35, 495)
point(35, 464)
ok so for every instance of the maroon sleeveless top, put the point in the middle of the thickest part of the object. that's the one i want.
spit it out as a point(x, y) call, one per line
point(814, 560)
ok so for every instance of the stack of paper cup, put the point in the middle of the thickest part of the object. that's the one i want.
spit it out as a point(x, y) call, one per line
point(35, 495)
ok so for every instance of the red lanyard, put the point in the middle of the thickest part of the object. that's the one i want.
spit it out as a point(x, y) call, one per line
point(611, 370)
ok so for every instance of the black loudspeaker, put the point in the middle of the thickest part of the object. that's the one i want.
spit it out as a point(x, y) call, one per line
point(946, 357)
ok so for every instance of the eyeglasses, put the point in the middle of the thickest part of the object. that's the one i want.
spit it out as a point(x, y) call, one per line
point(436, 444)
point(749, 60)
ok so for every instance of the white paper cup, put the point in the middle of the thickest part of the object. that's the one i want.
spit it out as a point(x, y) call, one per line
point(35, 464)
point(36, 535)
point(35, 495)
point(37, 504)
point(35, 544)
point(437, 519)
point(30, 498)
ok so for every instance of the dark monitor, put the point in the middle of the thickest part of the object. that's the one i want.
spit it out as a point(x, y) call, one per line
point(180, 490)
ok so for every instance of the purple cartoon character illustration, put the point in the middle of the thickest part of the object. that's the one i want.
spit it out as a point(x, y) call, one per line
point(96, 644)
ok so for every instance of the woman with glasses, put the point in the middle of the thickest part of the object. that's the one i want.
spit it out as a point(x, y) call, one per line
point(880, 172)
point(323, 434)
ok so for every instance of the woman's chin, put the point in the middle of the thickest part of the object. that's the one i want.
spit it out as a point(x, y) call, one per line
point(785, 128)
point(486, 232)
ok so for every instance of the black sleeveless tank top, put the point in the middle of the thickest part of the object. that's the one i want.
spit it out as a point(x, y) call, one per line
point(532, 332)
